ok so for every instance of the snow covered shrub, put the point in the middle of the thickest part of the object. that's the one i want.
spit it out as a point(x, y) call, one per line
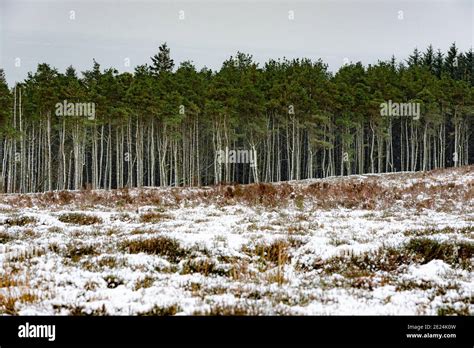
point(352, 265)
point(80, 219)
point(244, 307)
point(451, 310)
point(202, 265)
point(121, 197)
point(80, 310)
point(162, 245)
point(75, 252)
point(255, 194)
point(445, 230)
point(452, 253)
point(148, 198)
point(153, 217)
point(20, 221)
point(113, 281)
point(65, 197)
point(299, 202)
point(161, 310)
point(5, 238)
point(144, 283)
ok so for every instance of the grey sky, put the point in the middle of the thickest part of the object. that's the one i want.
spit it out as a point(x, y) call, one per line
point(39, 31)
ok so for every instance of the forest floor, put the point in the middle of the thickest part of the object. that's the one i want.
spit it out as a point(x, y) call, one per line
point(365, 244)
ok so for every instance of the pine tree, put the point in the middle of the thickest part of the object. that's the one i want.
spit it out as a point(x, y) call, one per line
point(299, 119)
point(466, 67)
point(428, 58)
point(415, 58)
point(451, 63)
point(162, 61)
point(438, 64)
point(5, 99)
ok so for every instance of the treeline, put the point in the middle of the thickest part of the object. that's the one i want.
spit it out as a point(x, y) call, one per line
point(163, 126)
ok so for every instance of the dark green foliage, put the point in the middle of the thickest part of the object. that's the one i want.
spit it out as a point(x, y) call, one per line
point(162, 125)
point(162, 61)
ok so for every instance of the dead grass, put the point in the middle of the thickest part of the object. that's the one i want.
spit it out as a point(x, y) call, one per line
point(276, 252)
point(353, 192)
point(8, 302)
point(273, 256)
point(265, 194)
point(14, 291)
point(276, 275)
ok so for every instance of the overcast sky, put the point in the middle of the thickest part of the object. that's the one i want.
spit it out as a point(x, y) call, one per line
point(64, 33)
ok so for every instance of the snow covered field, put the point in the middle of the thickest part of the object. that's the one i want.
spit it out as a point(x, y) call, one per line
point(372, 244)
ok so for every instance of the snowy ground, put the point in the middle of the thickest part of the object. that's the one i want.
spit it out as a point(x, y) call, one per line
point(372, 244)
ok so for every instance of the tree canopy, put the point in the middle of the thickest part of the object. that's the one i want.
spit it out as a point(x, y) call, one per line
point(163, 125)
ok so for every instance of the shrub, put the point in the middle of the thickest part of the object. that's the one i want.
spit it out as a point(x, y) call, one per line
point(449, 310)
point(239, 309)
point(20, 221)
point(113, 281)
point(205, 266)
point(76, 252)
point(365, 264)
point(65, 197)
point(445, 230)
point(5, 238)
point(144, 282)
point(161, 311)
point(299, 202)
point(78, 310)
point(153, 217)
point(80, 219)
point(162, 245)
point(430, 249)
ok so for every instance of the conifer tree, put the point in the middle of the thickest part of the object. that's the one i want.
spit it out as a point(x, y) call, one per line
point(162, 62)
